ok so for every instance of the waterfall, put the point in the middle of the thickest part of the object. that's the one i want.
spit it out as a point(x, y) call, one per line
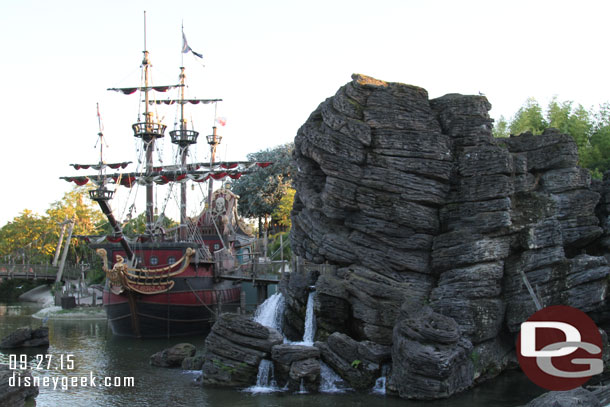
point(265, 381)
point(379, 387)
point(310, 321)
point(330, 382)
point(270, 312)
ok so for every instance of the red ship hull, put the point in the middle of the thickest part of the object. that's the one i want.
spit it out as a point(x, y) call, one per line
point(188, 308)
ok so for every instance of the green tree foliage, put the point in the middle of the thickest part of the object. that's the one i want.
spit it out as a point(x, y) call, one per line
point(261, 191)
point(137, 225)
point(33, 238)
point(590, 129)
point(501, 128)
point(281, 214)
point(528, 118)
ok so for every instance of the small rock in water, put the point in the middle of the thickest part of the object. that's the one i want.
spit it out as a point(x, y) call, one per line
point(193, 362)
point(15, 393)
point(26, 337)
point(174, 356)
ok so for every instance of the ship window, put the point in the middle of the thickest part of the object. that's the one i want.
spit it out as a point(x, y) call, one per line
point(171, 260)
point(216, 246)
point(154, 261)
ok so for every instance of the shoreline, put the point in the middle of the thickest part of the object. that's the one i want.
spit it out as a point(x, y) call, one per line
point(80, 313)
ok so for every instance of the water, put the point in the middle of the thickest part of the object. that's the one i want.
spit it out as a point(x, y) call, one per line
point(330, 381)
point(379, 387)
point(310, 321)
point(265, 380)
point(96, 351)
point(270, 312)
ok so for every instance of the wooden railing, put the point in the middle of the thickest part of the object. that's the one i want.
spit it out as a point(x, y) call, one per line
point(37, 271)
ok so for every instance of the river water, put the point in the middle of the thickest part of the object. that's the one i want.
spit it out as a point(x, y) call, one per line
point(97, 353)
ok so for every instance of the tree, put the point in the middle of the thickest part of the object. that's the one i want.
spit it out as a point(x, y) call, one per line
point(281, 214)
point(261, 191)
point(589, 129)
point(501, 128)
point(137, 225)
point(27, 239)
point(528, 118)
point(34, 238)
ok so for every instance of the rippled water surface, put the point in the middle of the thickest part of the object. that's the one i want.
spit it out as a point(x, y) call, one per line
point(99, 354)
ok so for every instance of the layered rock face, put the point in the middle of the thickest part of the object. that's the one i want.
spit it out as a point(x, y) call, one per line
point(411, 202)
point(234, 349)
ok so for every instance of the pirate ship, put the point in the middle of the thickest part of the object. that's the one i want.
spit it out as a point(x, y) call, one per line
point(165, 283)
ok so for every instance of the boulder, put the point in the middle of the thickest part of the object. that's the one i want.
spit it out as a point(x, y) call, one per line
point(358, 363)
point(234, 349)
point(16, 386)
point(578, 397)
point(430, 359)
point(174, 356)
point(193, 362)
point(26, 337)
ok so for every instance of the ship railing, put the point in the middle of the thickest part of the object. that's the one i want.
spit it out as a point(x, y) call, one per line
point(254, 267)
point(148, 130)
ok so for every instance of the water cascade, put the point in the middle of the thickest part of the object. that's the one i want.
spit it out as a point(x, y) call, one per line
point(310, 321)
point(265, 381)
point(330, 382)
point(269, 314)
point(381, 381)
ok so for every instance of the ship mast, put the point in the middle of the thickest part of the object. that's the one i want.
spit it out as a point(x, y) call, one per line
point(213, 140)
point(148, 131)
point(183, 138)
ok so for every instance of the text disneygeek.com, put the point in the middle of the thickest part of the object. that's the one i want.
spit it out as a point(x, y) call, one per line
point(67, 382)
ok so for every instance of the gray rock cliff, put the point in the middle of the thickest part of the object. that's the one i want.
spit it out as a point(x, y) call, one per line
point(411, 205)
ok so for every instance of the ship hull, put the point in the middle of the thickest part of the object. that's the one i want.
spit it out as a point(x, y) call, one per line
point(178, 315)
point(190, 307)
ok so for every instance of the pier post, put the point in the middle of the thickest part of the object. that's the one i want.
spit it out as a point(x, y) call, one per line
point(242, 301)
point(261, 293)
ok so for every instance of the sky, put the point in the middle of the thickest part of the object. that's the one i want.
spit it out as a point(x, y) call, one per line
point(272, 62)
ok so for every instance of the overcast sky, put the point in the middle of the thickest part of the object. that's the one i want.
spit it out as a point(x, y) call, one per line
point(272, 62)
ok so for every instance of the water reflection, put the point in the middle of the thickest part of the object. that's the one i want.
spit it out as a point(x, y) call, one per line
point(99, 354)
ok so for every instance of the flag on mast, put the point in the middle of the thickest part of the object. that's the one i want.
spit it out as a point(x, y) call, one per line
point(186, 48)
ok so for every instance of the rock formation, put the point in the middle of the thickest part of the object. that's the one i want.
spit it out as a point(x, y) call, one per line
point(26, 337)
point(16, 386)
point(424, 229)
point(174, 356)
point(234, 349)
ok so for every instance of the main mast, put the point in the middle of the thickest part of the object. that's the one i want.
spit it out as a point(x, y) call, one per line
point(148, 131)
point(183, 138)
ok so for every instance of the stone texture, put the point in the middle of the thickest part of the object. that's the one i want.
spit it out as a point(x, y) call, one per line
point(16, 395)
point(174, 356)
point(26, 337)
point(404, 203)
point(578, 397)
point(434, 359)
point(234, 349)
point(358, 363)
